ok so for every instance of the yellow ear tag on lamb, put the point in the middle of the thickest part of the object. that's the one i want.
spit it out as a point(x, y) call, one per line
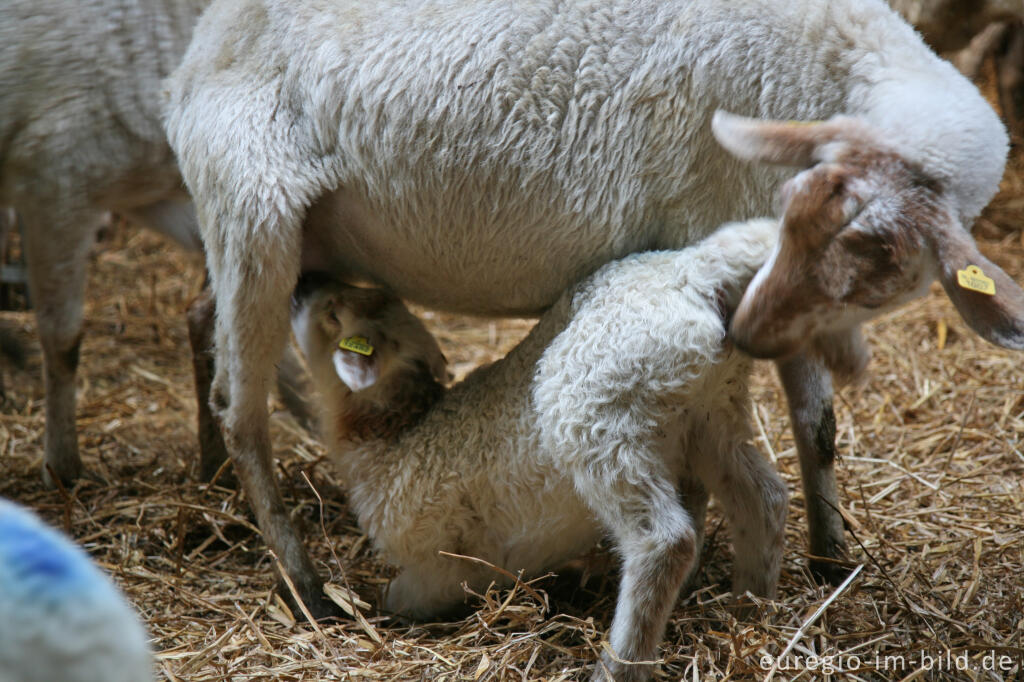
point(356, 344)
point(974, 279)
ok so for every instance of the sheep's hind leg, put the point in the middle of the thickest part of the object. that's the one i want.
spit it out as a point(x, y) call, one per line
point(808, 387)
point(253, 271)
point(657, 540)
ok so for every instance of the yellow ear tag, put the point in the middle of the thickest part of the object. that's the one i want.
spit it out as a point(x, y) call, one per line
point(356, 344)
point(974, 279)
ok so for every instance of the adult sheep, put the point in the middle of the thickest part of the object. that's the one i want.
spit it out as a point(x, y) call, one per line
point(482, 156)
point(81, 135)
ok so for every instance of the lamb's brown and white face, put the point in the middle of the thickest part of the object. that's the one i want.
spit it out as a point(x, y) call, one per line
point(358, 335)
point(863, 232)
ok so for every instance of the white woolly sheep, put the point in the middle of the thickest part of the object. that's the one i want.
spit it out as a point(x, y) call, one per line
point(483, 156)
point(625, 390)
point(81, 134)
point(63, 619)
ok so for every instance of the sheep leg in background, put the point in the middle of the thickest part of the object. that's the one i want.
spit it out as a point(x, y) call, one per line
point(294, 388)
point(808, 387)
point(655, 537)
point(755, 502)
point(56, 277)
point(1011, 79)
point(212, 451)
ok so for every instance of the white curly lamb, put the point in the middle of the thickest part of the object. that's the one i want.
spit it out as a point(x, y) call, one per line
point(626, 389)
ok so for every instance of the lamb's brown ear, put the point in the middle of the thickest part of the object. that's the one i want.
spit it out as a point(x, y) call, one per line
point(787, 143)
point(988, 299)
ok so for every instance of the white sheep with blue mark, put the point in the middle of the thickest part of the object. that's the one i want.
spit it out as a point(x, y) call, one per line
point(61, 618)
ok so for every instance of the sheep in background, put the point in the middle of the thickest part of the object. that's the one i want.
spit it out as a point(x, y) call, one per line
point(63, 619)
point(624, 392)
point(482, 157)
point(80, 135)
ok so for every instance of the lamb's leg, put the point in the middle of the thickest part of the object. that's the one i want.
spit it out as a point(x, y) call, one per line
point(755, 502)
point(431, 588)
point(253, 269)
point(656, 538)
point(694, 497)
point(808, 389)
point(57, 243)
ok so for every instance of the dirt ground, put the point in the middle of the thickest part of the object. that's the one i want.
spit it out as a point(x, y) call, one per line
point(931, 469)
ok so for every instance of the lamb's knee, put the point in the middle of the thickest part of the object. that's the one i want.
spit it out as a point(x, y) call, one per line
point(423, 593)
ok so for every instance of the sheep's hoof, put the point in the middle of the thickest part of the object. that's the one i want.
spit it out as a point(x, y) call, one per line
point(320, 607)
point(829, 571)
point(65, 477)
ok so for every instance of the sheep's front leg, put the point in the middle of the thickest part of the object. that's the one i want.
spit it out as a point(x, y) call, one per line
point(253, 271)
point(657, 541)
point(808, 387)
point(57, 242)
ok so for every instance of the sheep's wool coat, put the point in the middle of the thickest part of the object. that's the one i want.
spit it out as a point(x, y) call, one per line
point(62, 619)
point(482, 156)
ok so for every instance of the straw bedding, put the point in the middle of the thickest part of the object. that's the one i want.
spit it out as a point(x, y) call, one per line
point(931, 472)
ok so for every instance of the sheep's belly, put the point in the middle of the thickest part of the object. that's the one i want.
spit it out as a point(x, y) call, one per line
point(473, 261)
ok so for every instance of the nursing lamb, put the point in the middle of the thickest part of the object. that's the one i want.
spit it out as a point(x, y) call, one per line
point(482, 156)
point(624, 392)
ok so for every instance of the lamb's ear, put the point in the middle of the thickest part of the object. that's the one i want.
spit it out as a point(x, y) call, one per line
point(788, 143)
point(988, 299)
point(356, 371)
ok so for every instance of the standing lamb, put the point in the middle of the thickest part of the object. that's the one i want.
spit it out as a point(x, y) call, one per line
point(624, 390)
point(483, 156)
point(63, 619)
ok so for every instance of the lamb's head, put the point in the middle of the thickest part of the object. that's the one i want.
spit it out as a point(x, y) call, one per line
point(361, 336)
point(863, 231)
